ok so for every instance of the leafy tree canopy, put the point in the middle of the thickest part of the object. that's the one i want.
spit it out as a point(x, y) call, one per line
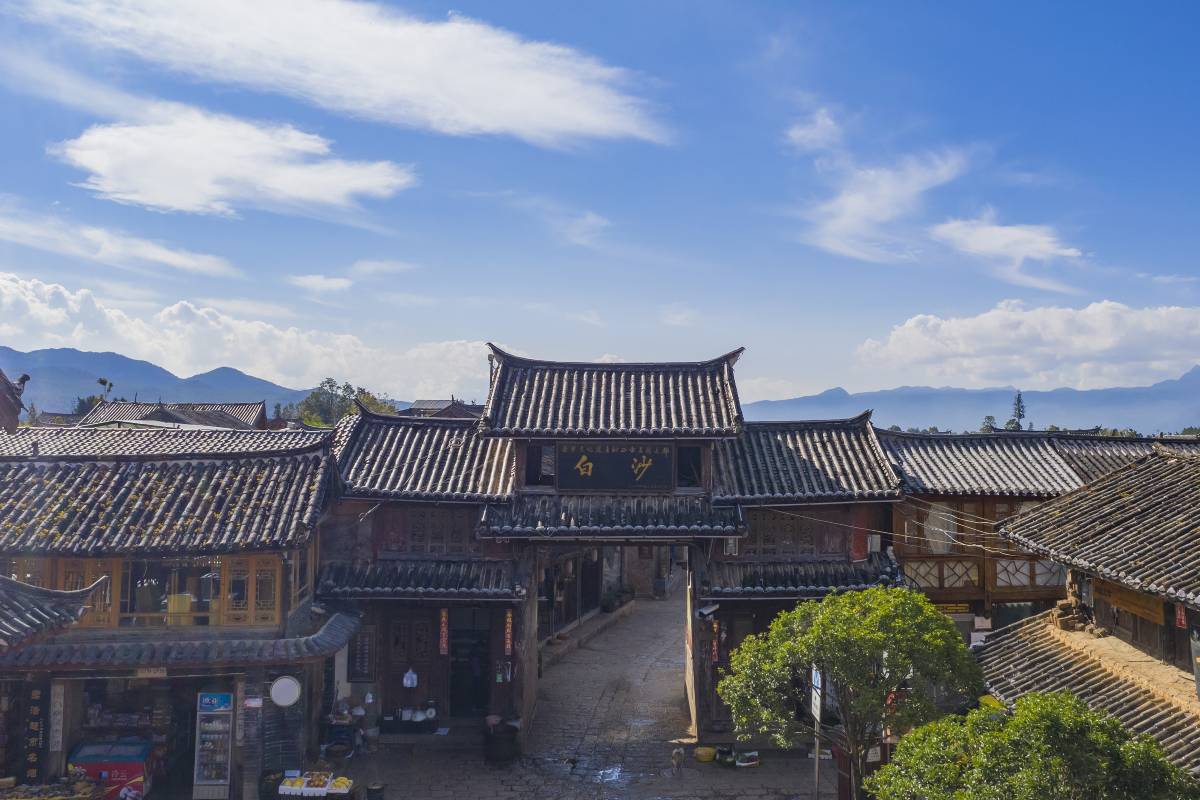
point(885, 654)
point(85, 404)
point(331, 401)
point(1051, 747)
point(988, 425)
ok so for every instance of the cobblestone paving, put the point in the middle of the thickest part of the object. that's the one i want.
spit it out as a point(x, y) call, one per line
point(608, 717)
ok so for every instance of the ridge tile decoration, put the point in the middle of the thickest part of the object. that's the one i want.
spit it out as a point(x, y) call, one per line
point(421, 578)
point(796, 579)
point(1031, 656)
point(421, 458)
point(10, 402)
point(1138, 526)
point(529, 398)
point(215, 500)
point(27, 611)
point(819, 461)
point(1012, 463)
point(241, 415)
point(64, 654)
point(648, 516)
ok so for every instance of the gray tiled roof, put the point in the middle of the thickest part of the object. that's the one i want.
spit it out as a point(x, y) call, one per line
point(421, 458)
point(1139, 526)
point(218, 502)
point(10, 403)
point(1018, 465)
point(819, 461)
point(621, 517)
point(1028, 657)
point(551, 398)
point(1094, 456)
point(128, 443)
point(167, 650)
point(470, 579)
point(246, 415)
point(796, 579)
point(29, 611)
point(1011, 463)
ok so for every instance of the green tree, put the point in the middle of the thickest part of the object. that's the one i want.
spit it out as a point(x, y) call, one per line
point(1051, 747)
point(85, 404)
point(988, 425)
point(885, 654)
point(331, 401)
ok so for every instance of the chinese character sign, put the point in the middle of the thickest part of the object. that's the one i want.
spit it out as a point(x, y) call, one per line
point(616, 466)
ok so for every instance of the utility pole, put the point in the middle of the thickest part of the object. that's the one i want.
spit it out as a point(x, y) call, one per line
point(815, 702)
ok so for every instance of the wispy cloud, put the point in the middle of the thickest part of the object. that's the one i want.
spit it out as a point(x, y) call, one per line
point(247, 307)
point(320, 283)
point(1101, 344)
point(678, 315)
point(457, 76)
point(380, 266)
point(1008, 247)
point(175, 157)
point(819, 132)
point(855, 222)
point(53, 234)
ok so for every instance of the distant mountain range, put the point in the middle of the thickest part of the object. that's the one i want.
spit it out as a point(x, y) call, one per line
point(62, 374)
point(1167, 406)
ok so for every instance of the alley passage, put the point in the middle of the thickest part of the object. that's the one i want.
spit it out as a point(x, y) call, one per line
point(609, 715)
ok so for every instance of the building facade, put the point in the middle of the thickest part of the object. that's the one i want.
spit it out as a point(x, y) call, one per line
point(1127, 641)
point(203, 546)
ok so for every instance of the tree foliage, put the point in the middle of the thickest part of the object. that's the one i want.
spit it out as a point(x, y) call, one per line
point(885, 653)
point(1051, 747)
point(85, 404)
point(988, 425)
point(331, 401)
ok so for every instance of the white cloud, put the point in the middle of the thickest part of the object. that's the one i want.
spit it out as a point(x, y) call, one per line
point(1007, 247)
point(101, 245)
point(187, 338)
point(380, 266)
point(408, 299)
point(582, 229)
point(179, 158)
point(458, 76)
point(679, 315)
point(246, 307)
point(854, 223)
point(819, 132)
point(320, 283)
point(1102, 344)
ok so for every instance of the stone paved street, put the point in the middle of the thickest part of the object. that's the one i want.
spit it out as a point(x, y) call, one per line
point(609, 715)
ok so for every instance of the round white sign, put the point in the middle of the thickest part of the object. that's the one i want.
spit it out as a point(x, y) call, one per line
point(285, 691)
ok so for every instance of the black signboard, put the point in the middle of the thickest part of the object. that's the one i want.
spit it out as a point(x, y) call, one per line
point(615, 466)
point(360, 666)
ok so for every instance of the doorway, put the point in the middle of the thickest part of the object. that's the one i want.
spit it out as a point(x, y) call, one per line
point(470, 661)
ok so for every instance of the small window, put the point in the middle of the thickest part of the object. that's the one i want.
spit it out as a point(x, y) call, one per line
point(689, 467)
point(539, 465)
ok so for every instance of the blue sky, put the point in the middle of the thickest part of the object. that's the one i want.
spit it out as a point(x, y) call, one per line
point(862, 195)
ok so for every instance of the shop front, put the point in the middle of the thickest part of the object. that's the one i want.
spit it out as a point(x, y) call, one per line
point(444, 644)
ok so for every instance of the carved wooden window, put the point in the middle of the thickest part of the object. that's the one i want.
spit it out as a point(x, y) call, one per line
point(428, 531)
point(266, 587)
point(79, 573)
point(959, 574)
point(923, 573)
point(1011, 572)
point(1048, 573)
point(400, 641)
point(237, 610)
